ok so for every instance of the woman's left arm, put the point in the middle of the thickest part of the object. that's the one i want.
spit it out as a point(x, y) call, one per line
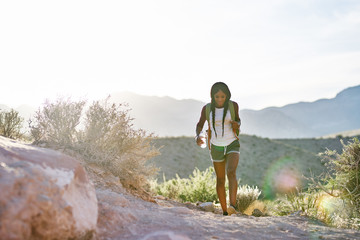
point(236, 124)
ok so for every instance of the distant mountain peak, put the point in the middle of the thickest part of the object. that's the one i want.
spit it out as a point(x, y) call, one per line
point(351, 91)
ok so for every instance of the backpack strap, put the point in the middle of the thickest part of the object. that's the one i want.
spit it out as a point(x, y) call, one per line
point(207, 112)
point(232, 113)
point(232, 110)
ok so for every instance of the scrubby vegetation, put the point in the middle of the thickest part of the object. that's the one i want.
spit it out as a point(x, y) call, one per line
point(10, 124)
point(334, 197)
point(201, 187)
point(259, 157)
point(344, 173)
point(56, 123)
point(104, 136)
point(246, 195)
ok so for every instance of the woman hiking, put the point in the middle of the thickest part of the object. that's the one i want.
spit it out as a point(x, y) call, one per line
point(224, 122)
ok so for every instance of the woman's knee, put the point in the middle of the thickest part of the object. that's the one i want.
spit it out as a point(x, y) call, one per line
point(231, 173)
point(220, 181)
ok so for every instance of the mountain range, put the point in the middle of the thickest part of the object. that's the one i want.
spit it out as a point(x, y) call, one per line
point(306, 119)
point(166, 116)
point(169, 117)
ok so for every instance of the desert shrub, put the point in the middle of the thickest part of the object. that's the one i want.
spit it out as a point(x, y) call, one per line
point(341, 222)
point(10, 124)
point(200, 186)
point(104, 123)
point(106, 138)
point(109, 140)
point(319, 205)
point(344, 172)
point(334, 197)
point(56, 123)
point(296, 201)
point(336, 211)
point(170, 189)
point(246, 195)
point(342, 184)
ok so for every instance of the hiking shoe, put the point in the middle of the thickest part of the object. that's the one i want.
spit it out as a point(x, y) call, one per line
point(225, 213)
point(231, 210)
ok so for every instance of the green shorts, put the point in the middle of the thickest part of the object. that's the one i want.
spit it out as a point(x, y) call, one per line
point(218, 153)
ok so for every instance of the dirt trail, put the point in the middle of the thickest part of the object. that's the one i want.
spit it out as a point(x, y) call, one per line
point(123, 216)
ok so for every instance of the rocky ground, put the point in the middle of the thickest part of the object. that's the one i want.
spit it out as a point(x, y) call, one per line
point(125, 216)
point(45, 194)
point(122, 216)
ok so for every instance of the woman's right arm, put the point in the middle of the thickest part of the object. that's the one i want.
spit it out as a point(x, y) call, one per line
point(200, 124)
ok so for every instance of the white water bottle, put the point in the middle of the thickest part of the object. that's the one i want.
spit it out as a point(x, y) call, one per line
point(203, 139)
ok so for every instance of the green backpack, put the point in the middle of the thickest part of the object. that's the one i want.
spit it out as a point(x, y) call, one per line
point(232, 113)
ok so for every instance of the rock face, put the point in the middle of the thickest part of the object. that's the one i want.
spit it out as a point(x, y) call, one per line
point(44, 194)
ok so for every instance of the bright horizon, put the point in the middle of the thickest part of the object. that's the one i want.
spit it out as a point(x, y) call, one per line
point(269, 54)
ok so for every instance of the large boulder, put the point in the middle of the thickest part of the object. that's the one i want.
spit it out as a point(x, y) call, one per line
point(44, 194)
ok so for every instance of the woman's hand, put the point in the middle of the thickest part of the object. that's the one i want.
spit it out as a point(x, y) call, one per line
point(235, 125)
point(200, 140)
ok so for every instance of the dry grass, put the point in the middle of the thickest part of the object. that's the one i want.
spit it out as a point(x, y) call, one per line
point(107, 139)
point(246, 195)
point(256, 205)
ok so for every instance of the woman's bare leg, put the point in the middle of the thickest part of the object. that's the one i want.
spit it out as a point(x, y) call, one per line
point(232, 160)
point(220, 183)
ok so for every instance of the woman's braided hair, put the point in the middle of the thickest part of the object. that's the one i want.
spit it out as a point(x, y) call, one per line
point(214, 89)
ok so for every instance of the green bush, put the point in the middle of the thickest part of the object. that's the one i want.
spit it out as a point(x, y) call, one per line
point(170, 189)
point(106, 138)
point(343, 183)
point(345, 172)
point(10, 124)
point(246, 195)
point(305, 202)
point(331, 210)
point(333, 198)
point(200, 186)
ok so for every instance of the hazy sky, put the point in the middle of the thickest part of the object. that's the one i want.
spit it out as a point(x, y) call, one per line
point(269, 52)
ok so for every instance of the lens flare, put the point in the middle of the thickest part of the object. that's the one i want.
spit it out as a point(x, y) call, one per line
point(328, 205)
point(282, 177)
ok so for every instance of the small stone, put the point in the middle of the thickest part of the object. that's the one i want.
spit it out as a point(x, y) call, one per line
point(257, 213)
point(207, 207)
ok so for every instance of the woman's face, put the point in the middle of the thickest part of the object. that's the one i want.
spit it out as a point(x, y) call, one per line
point(220, 98)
